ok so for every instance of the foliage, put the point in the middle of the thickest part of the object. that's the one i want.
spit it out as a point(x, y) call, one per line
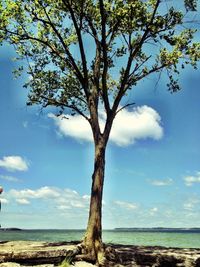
point(64, 264)
point(53, 37)
point(67, 262)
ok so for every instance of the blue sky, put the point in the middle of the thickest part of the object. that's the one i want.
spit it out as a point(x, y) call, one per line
point(152, 161)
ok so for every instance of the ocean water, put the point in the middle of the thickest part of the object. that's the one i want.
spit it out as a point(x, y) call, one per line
point(168, 239)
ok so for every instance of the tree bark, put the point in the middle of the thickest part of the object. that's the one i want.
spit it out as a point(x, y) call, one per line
point(93, 246)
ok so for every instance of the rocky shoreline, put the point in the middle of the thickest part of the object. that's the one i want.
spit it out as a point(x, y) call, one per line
point(44, 254)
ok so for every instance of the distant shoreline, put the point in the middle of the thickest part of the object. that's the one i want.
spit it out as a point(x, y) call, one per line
point(10, 229)
point(159, 229)
point(120, 229)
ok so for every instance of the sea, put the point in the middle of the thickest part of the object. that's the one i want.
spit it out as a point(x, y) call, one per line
point(173, 238)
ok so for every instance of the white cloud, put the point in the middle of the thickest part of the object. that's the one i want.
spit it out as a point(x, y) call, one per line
point(153, 211)
point(9, 178)
point(43, 192)
point(70, 210)
point(87, 197)
point(61, 198)
point(63, 207)
point(14, 163)
point(126, 205)
point(4, 201)
point(190, 180)
point(139, 123)
point(76, 127)
point(191, 204)
point(188, 206)
point(22, 201)
point(163, 182)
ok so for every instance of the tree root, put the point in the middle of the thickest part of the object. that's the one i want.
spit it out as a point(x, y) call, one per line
point(85, 257)
point(94, 254)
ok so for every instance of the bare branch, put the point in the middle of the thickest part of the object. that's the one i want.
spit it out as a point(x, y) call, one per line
point(138, 66)
point(125, 106)
point(127, 42)
point(156, 69)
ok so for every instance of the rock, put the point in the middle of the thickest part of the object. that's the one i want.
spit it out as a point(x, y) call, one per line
point(29, 252)
point(14, 264)
point(9, 264)
point(82, 264)
point(44, 254)
point(151, 256)
point(197, 262)
point(41, 265)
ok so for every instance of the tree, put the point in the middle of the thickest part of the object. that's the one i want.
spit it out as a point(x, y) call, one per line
point(45, 33)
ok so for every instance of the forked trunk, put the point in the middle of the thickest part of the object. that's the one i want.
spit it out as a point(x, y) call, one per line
point(93, 237)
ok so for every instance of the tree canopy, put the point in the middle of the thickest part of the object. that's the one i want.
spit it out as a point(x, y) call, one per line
point(53, 36)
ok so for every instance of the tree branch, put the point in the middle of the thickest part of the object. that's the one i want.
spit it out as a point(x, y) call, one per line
point(25, 37)
point(70, 57)
point(93, 33)
point(81, 46)
point(138, 66)
point(158, 68)
point(96, 70)
point(125, 106)
point(105, 57)
point(54, 102)
point(112, 31)
point(97, 61)
point(132, 55)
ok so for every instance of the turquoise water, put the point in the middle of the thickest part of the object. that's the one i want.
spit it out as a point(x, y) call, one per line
point(171, 239)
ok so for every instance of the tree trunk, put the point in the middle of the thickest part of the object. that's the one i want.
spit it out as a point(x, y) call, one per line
point(93, 246)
